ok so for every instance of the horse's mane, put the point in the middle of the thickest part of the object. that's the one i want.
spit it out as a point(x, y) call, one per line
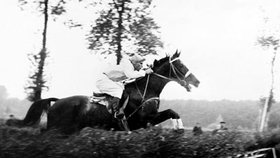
point(159, 62)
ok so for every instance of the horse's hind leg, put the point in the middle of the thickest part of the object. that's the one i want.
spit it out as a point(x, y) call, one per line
point(168, 114)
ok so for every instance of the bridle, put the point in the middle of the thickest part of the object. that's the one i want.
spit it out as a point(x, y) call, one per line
point(173, 69)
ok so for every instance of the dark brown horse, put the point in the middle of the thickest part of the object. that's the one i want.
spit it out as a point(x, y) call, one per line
point(74, 113)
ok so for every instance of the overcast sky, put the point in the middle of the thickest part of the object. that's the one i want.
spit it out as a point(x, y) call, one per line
point(217, 39)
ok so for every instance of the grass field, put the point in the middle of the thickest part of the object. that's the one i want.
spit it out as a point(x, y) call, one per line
point(153, 142)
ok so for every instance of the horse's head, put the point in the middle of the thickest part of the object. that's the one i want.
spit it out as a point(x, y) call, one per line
point(172, 68)
point(189, 80)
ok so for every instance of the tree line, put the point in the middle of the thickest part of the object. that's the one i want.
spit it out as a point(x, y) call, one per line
point(237, 114)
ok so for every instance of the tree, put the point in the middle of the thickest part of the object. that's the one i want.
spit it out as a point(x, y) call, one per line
point(124, 27)
point(121, 26)
point(37, 81)
point(273, 42)
point(269, 39)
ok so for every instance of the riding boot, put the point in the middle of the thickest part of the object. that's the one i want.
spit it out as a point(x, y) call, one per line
point(116, 108)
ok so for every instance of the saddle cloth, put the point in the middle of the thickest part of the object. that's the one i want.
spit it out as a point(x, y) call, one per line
point(104, 99)
point(100, 100)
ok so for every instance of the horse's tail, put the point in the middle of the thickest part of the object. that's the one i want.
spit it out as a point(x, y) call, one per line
point(14, 122)
point(33, 115)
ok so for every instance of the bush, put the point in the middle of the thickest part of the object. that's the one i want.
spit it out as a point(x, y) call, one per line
point(152, 142)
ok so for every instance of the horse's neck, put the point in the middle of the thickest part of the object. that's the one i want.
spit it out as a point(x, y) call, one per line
point(157, 84)
point(151, 85)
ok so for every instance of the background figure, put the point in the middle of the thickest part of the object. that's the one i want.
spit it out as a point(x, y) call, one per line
point(223, 126)
point(197, 129)
point(12, 116)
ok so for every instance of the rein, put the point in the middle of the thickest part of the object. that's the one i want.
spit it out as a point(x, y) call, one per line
point(159, 75)
point(145, 90)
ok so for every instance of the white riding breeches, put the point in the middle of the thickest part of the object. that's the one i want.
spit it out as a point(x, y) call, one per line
point(106, 85)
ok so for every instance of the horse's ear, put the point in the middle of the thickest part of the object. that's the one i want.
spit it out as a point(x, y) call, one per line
point(155, 62)
point(176, 54)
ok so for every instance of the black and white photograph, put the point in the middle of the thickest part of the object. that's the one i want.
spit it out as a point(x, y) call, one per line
point(140, 78)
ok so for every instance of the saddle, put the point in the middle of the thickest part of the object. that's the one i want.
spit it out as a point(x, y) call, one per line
point(101, 98)
point(105, 99)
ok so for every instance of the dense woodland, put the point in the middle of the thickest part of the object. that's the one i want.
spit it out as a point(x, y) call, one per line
point(237, 114)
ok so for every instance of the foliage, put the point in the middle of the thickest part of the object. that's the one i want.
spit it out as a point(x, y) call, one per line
point(269, 41)
point(37, 82)
point(152, 142)
point(11, 106)
point(58, 9)
point(270, 102)
point(274, 119)
point(32, 4)
point(56, 6)
point(121, 26)
point(266, 139)
point(236, 113)
point(126, 25)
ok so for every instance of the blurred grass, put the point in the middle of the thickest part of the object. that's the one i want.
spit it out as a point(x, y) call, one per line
point(151, 143)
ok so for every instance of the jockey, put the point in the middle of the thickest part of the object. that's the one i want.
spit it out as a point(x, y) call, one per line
point(111, 80)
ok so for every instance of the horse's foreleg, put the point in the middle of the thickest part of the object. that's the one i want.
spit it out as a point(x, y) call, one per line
point(178, 124)
point(168, 114)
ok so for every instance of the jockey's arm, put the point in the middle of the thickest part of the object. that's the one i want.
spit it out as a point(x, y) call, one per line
point(129, 71)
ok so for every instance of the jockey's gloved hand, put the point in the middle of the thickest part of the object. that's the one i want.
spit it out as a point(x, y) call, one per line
point(149, 71)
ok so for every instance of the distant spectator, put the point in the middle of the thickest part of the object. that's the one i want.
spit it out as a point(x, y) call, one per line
point(197, 129)
point(12, 116)
point(222, 127)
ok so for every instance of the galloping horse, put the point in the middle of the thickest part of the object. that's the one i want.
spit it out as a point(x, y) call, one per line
point(71, 114)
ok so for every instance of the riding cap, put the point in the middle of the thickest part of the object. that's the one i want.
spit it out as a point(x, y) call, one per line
point(137, 58)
